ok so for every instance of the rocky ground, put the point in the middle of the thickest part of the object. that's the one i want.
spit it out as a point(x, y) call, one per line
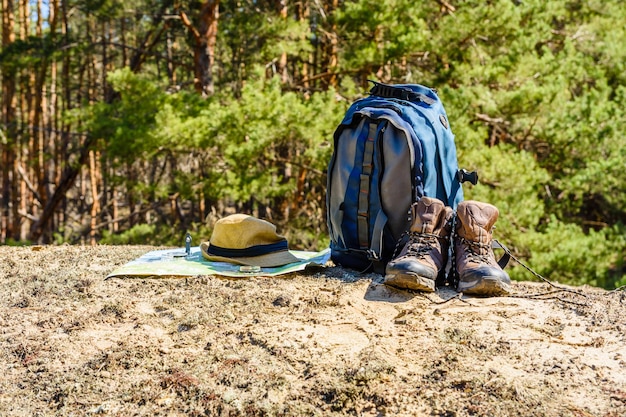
point(326, 342)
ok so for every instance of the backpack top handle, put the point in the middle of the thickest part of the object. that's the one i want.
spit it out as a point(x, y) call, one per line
point(398, 92)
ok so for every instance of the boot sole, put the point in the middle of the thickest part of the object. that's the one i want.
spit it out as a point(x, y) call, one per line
point(410, 281)
point(487, 286)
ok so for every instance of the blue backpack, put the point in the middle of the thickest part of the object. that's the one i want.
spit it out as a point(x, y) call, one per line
point(391, 148)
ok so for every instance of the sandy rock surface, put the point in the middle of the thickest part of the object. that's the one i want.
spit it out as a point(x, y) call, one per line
point(326, 342)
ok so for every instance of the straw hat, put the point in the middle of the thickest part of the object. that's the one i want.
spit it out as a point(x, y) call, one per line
point(246, 240)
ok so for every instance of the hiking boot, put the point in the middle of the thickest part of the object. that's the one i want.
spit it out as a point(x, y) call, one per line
point(423, 258)
point(476, 267)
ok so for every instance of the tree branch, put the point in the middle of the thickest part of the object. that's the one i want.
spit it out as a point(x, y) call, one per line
point(30, 185)
point(189, 25)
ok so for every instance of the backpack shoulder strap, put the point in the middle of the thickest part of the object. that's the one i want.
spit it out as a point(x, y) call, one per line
point(364, 189)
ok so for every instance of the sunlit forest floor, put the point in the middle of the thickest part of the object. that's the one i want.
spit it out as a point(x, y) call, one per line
point(325, 342)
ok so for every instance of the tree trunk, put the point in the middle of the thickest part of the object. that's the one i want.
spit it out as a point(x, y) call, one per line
point(148, 42)
point(282, 63)
point(205, 35)
point(171, 72)
point(69, 171)
point(39, 148)
point(7, 140)
point(95, 202)
point(51, 119)
point(303, 14)
point(332, 53)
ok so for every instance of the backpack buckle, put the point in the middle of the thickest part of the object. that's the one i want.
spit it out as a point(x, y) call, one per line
point(463, 175)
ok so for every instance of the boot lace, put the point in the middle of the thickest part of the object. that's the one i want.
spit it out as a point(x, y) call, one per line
point(420, 244)
point(477, 251)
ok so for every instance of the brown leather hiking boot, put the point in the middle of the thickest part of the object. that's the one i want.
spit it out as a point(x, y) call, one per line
point(423, 258)
point(476, 266)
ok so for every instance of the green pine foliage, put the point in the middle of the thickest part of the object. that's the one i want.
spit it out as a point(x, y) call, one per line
point(536, 104)
point(376, 33)
point(534, 91)
point(246, 147)
point(248, 151)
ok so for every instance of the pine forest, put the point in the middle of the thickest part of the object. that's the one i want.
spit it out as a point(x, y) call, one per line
point(137, 121)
